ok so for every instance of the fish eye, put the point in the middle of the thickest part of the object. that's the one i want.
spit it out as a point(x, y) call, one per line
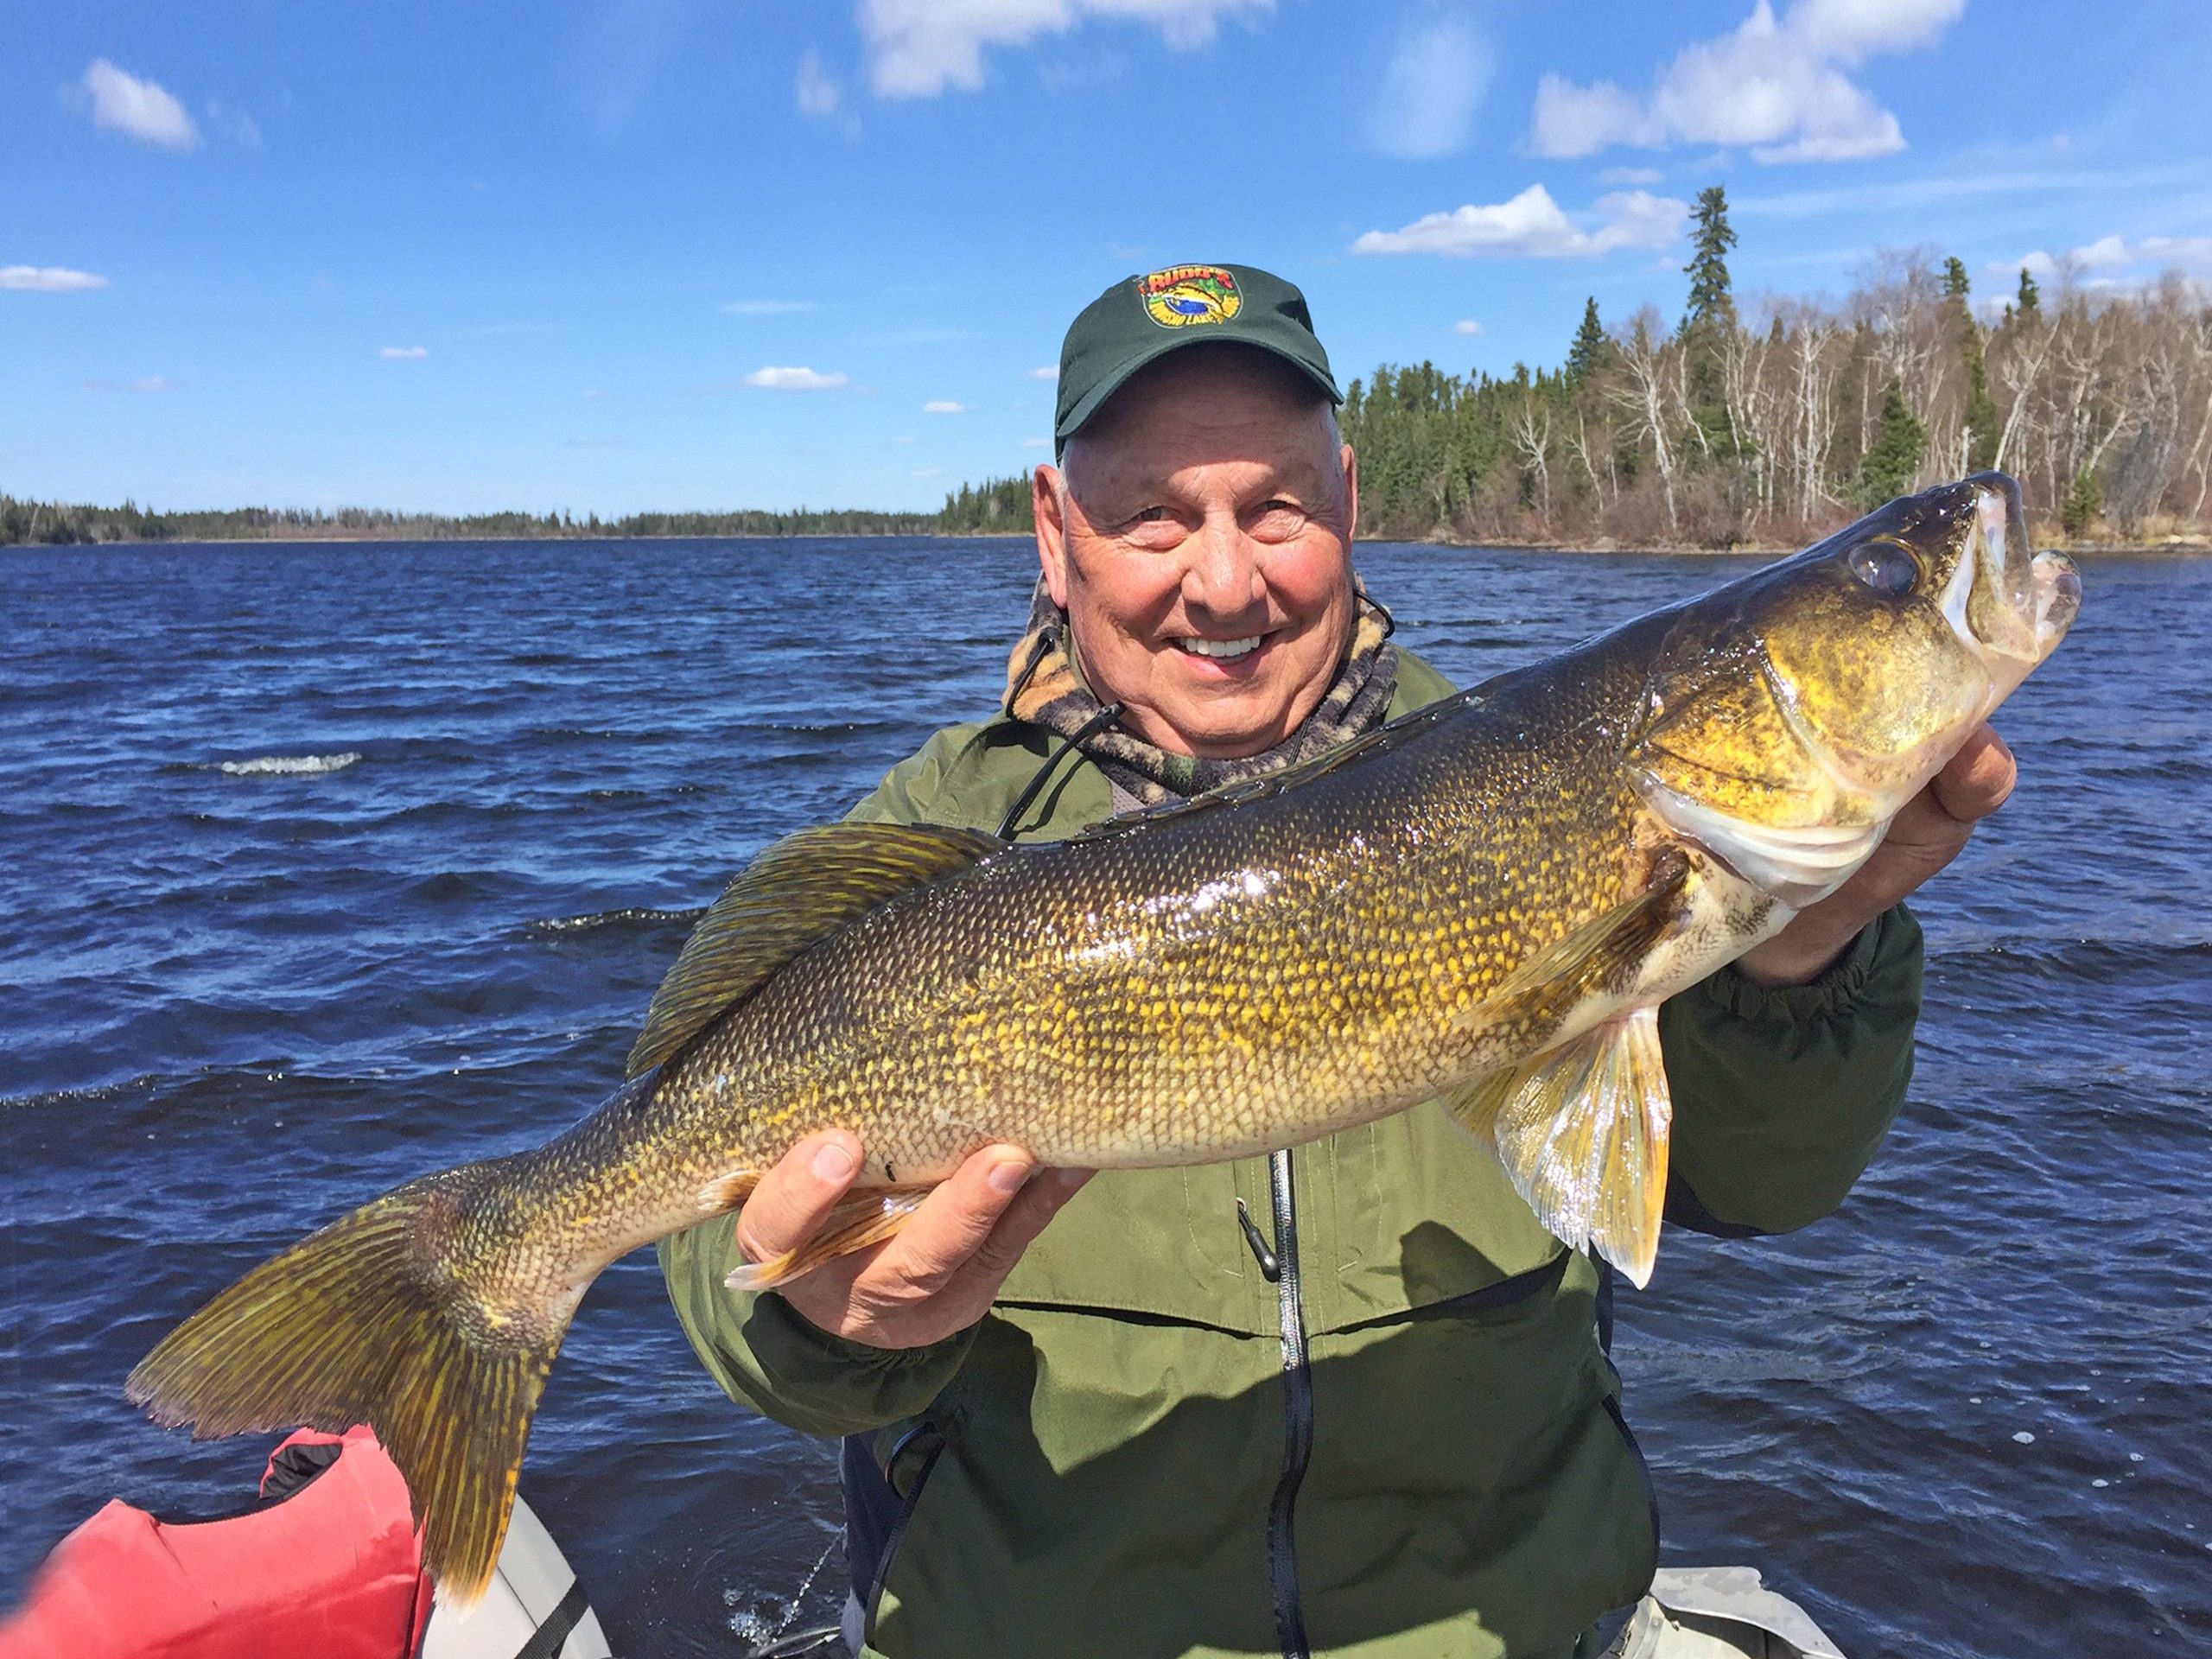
point(1886, 568)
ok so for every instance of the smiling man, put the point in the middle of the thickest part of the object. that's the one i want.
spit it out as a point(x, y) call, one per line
point(1351, 1398)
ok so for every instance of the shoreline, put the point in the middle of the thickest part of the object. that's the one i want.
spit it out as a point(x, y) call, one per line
point(2169, 547)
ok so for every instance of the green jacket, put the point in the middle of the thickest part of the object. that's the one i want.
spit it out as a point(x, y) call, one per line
point(1103, 1452)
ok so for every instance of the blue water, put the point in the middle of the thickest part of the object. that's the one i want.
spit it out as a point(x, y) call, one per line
point(247, 981)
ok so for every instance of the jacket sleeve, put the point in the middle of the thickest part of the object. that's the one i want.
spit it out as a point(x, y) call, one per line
point(763, 1353)
point(1783, 1094)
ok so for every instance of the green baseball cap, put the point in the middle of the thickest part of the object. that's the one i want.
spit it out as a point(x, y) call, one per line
point(1141, 319)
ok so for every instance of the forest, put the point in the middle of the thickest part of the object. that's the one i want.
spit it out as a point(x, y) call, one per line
point(1769, 421)
point(1763, 420)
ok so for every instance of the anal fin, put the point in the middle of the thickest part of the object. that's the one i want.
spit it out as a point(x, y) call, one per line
point(863, 1217)
point(1582, 1133)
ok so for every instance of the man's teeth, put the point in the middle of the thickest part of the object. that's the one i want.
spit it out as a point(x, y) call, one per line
point(1225, 649)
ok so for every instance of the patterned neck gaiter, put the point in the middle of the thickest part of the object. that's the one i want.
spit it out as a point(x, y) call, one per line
point(1043, 688)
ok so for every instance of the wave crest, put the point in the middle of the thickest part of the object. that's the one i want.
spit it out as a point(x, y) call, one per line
point(289, 766)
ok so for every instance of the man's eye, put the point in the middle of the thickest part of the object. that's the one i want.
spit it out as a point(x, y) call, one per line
point(1150, 516)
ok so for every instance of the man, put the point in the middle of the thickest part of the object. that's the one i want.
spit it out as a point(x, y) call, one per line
point(1352, 1398)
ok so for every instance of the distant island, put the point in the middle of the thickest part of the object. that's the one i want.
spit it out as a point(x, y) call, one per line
point(1766, 423)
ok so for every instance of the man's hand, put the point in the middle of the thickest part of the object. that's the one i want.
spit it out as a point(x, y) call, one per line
point(941, 1271)
point(1927, 834)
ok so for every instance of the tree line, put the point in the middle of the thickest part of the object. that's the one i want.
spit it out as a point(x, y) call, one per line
point(1777, 420)
point(968, 511)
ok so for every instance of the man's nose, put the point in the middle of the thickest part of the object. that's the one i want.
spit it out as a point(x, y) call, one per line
point(1223, 574)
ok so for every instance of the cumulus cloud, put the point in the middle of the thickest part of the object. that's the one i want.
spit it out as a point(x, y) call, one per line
point(2099, 264)
point(1426, 102)
point(136, 109)
point(1775, 87)
point(774, 379)
point(1036, 443)
point(403, 353)
point(1631, 175)
point(48, 279)
point(1046, 371)
point(1534, 226)
point(943, 406)
point(1467, 325)
point(918, 49)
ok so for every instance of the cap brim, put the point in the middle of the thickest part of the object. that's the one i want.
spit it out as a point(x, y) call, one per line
point(1116, 377)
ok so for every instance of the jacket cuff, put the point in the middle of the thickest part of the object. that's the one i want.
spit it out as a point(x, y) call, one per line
point(1835, 991)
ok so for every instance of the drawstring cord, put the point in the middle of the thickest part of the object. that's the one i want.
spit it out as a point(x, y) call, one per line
point(1107, 714)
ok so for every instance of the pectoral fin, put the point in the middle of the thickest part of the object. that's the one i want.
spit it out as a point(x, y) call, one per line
point(1582, 1133)
point(866, 1216)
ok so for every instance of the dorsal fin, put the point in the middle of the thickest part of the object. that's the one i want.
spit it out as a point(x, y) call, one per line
point(794, 893)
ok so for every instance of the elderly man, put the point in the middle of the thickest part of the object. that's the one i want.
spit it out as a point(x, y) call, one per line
point(1352, 1398)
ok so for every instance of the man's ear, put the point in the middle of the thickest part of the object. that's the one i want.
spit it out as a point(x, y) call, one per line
point(1350, 462)
point(1046, 487)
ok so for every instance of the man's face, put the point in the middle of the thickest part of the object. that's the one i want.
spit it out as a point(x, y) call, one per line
point(1203, 554)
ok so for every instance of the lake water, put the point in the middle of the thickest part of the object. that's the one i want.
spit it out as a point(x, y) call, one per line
point(324, 866)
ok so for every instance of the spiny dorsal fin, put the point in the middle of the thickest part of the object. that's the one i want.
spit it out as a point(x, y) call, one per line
point(1582, 1132)
point(796, 891)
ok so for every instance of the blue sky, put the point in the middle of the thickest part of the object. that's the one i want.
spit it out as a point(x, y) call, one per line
point(426, 258)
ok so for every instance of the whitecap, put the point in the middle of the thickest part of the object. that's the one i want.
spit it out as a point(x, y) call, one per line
point(289, 766)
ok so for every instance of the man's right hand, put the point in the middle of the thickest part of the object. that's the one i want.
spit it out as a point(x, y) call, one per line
point(941, 1271)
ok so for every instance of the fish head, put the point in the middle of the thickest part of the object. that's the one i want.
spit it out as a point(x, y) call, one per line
point(1790, 715)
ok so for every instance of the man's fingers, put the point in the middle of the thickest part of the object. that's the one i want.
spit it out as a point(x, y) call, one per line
point(789, 1205)
point(1978, 778)
point(1017, 1230)
point(951, 1224)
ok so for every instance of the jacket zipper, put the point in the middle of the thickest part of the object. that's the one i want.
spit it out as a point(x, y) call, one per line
point(1297, 1412)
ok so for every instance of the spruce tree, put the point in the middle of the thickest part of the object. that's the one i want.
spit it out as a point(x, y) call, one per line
point(1591, 345)
point(1712, 314)
point(2082, 503)
point(1892, 460)
point(1980, 411)
point(2031, 299)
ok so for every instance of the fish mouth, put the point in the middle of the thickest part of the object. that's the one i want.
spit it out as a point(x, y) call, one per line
point(2009, 606)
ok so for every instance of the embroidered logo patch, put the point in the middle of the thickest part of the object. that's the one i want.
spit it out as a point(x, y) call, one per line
point(1184, 294)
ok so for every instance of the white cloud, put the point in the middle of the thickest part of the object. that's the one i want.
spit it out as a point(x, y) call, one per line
point(923, 471)
point(48, 279)
point(153, 382)
point(1467, 325)
point(767, 307)
point(1631, 175)
point(1430, 88)
point(1046, 371)
point(818, 94)
point(1532, 226)
point(137, 109)
point(1036, 443)
point(2147, 256)
point(918, 49)
point(943, 406)
point(403, 353)
point(1775, 87)
point(795, 379)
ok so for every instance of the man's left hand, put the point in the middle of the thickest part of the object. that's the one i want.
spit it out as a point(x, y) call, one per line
point(1927, 834)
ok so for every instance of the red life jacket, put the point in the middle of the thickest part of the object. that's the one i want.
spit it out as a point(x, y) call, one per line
point(325, 1567)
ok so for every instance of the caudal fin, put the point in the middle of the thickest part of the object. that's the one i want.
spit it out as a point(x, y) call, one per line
point(366, 1322)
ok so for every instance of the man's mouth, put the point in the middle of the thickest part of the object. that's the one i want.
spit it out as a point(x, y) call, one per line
point(1222, 651)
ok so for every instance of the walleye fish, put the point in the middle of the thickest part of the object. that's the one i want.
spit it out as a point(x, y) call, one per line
point(1485, 901)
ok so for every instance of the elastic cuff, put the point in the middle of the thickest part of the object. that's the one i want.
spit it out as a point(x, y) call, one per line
point(1830, 994)
point(794, 1330)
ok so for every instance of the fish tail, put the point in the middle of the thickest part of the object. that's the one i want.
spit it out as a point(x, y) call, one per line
point(371, 1321)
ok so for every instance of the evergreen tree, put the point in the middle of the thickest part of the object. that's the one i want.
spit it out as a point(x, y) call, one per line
point(1591, 346)
point(1712, 298)
point(1980, 411)
point(1892, 460)
point(2031, 298)
point(1712, 314)
point(2082, 503)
